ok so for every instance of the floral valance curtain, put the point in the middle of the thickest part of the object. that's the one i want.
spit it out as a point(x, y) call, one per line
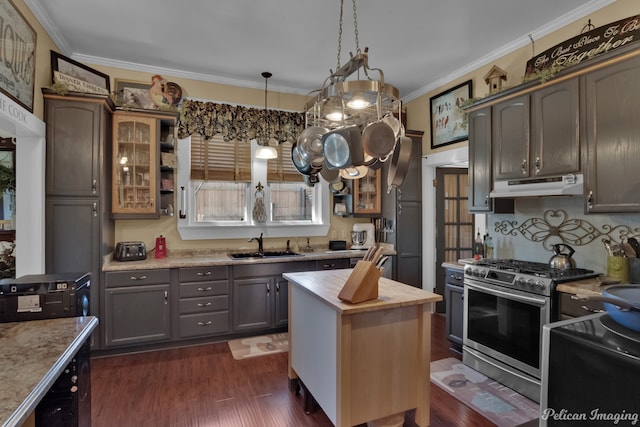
point(236, 122)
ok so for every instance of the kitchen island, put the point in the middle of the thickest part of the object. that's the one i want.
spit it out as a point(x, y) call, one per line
point(34, 353)
point(360, 362)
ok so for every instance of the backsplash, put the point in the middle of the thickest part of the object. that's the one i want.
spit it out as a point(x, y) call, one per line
point(538, 223)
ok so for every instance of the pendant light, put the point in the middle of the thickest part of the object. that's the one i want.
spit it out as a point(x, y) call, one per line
point(264, 150)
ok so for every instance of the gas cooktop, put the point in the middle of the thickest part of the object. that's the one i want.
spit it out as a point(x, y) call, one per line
point(537, 269)
point(534, 277)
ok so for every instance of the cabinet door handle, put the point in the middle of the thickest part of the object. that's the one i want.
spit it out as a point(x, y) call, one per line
point(166, 296)
point(208, 273)
point(524, 166)
point(591, 310)
point(207, 323)
point(486, 200)
point(537, 165)
point(94, 186)
point(204, 305)
point(277, 287)
point(399, 208)
point(268, 289)
point(590, 200)
point(138, 277)
point(208, 288)
point(95, 209)
point(399, 194)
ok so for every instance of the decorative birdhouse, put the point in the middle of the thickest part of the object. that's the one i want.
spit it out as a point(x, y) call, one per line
point(494, 78)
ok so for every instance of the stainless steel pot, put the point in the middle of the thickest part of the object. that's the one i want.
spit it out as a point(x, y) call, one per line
point(560, 259)
point(343, 148)
point(310, 144)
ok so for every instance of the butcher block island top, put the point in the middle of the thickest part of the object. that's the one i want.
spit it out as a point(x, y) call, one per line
point(360, 362)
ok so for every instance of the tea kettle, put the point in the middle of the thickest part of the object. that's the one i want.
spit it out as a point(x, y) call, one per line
point(562, 260)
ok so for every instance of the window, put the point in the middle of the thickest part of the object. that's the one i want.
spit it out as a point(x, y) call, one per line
point(217, 180)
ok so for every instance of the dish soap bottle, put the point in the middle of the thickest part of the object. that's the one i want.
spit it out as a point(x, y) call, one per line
point(478, 247)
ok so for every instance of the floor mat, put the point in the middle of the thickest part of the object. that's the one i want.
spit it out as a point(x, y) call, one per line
point(259, 346)
point(496, 402)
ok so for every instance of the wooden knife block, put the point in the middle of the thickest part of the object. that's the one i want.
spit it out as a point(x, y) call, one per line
point(362, 284)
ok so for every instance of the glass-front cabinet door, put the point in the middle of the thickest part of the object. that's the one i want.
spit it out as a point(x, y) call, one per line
point(135, 166)
point(366, 193)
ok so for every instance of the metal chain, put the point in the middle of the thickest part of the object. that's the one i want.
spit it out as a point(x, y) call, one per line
point(340, 35)
point(355, 27)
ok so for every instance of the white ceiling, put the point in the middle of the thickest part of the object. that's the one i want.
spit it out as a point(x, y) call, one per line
point(420, 44)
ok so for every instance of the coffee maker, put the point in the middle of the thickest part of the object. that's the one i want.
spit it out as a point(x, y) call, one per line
point(363, 236)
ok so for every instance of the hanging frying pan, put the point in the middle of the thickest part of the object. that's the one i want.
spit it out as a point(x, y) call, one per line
point(310, 144)
point(330, 175)
point(301, 164)
point(378, 139)
point(399, 162)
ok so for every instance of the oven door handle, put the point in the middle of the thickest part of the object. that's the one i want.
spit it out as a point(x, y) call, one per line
point(508, 295)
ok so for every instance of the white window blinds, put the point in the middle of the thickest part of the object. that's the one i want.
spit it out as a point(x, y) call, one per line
point(217, 160)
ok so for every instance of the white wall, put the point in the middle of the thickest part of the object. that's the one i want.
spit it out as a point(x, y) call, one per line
point(30, 164)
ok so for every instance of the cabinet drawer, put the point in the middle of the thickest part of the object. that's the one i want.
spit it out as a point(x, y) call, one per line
point(204, 304)
point(332, 264)
point(197, 274)
point(454, 276)
point(574, 308)
point(202, 289)
point(117, 279)
point(192, 325)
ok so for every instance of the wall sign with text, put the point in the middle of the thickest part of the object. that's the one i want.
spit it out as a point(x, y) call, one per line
point(17, 55)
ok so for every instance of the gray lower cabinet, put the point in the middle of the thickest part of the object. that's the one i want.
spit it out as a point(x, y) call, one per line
point(137, 307)
point(260, 294)
point(568, 308)
point(454, 301)
point(204, 307)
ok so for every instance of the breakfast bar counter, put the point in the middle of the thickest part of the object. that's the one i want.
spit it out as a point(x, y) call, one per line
point(360, 362)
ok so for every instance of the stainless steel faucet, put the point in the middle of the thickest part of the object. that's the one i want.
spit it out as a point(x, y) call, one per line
point(259, 239)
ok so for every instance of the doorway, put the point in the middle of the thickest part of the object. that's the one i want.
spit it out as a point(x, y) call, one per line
point(454, 223)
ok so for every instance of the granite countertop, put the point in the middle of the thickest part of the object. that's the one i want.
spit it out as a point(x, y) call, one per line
point(327, 284)
point(187, 258)
point(33, 355)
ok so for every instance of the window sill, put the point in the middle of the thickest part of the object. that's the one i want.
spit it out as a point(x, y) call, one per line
point(206, 232)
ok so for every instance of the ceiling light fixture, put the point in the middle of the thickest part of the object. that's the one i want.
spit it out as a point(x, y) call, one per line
point(343, 100)
point(264, 150)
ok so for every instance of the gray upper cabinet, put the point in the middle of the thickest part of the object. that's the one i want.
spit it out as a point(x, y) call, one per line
point(537, 135)
point(76, 137)
point(510, 138)
point(611, 131)
point(555, 137)
point(480, 178)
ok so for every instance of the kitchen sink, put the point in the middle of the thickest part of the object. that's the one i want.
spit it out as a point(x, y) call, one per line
point(265, 254)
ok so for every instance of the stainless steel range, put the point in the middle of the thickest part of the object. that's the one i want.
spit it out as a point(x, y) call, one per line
point(506, 304)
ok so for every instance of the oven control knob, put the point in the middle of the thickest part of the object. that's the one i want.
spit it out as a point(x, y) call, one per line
point(522, 282)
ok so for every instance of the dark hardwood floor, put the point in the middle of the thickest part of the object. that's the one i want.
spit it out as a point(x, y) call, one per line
point(204, 386)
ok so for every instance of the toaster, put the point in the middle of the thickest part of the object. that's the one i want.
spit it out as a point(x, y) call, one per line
point(130, 251)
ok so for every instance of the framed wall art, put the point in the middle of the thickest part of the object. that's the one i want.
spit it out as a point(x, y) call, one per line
point(448, 124)
point(134, 94)
point(78, 77)
point(17, 69)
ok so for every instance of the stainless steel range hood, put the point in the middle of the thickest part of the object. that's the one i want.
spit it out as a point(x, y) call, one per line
point(566, 185)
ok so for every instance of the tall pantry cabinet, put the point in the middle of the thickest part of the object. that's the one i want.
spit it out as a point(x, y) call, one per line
point(78, 229)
